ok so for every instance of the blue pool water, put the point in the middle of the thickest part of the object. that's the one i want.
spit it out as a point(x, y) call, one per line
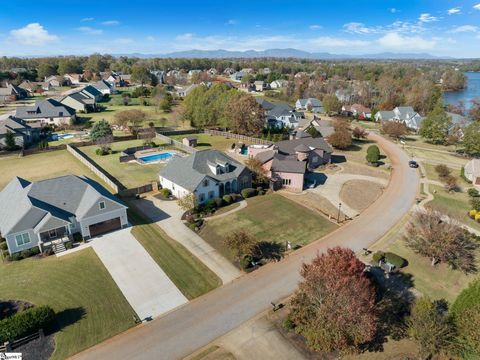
point(156, 157)
point(61, 136)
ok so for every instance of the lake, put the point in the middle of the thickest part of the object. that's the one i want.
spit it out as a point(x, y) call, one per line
point(466, 95)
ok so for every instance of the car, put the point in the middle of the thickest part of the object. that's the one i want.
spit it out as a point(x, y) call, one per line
point(413, 164)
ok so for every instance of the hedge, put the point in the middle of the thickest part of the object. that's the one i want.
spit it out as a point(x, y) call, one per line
point(248, 192)
point(3, 246)
point(395, 259)
point(227, 199)
point(26, 323)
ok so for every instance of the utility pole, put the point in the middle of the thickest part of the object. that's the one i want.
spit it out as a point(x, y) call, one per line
point(338, 216)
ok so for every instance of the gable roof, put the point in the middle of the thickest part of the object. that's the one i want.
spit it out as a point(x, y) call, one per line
point(189, 171)
point(385, 114)
point(473, 167)
point(13, 124)
point(102, 84)
point(288, 146)
point(284, 164)
point(44, 108)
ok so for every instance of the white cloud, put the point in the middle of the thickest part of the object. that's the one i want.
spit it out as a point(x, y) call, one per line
point(150, 38)
point(87, 19)
point(393, 10)
point(314, 27)
point(328, 41)
point(231, 22)
point(476, 7)
point(32, 34)
point(452, 11)
point(464, 29)
point(426, 17)
point(111, 22)
point(397, 41)
point(359, 28)
point(89, 30)
point(185, 37)
point(123, 41)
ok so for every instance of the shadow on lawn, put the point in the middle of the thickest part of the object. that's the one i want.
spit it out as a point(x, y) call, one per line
point(270, 250)
point(66, 318)
point(138, 209)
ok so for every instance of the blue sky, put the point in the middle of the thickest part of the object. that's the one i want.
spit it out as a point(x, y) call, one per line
point(53, 27)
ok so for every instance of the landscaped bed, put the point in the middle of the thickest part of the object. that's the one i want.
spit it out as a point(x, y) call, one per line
point(89, 306)
point(269, 218)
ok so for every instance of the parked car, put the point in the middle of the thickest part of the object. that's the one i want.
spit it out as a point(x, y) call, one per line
point(413, 164)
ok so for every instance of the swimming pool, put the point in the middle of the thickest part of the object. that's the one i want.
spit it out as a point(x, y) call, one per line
point(62, 136)
point(156, 157)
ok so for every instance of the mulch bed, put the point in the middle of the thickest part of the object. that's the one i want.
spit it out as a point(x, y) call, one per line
point(39, 349)
point(11, 307)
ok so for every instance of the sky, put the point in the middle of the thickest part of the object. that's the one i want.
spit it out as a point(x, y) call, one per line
point(53, 27)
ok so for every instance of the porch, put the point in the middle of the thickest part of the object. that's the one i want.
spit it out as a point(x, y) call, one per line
point(55, 239)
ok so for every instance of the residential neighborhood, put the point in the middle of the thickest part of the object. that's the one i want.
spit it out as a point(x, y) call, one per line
point(239, 183)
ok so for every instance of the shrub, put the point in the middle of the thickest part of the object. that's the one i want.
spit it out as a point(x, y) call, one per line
point(475, 203)
point(379, 255)
point(25, 323)
point(68, 245)
point(473, 192)
point(3, 246)
point(227, 199)
point(373, 154)
point(16, 257)
point(102, 151)
point(288, 324)
point(472, 213)
point(248, 192)
point(210, 206)
point(165, 192)
point(395, 259)
point(462, 175)
point(218, 202)
point(442, 170)
point(477, 217)
point(192, 226)
point(246, 262)
point(5, 254)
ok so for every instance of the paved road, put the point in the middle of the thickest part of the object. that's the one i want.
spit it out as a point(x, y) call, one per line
point(202, 320)
point(146, 287)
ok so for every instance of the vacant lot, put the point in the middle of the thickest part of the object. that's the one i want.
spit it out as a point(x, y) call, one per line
point(206, 141)
point(90, 308)
point(188, 273)
point(130, 174)
point(270, 218)
point(356, 154)
point(42, 166)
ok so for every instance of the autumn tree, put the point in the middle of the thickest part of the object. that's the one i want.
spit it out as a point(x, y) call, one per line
point(474, 111)
point(331, 104)
point(394, 129)
point(131, 118)
point(259, 172)
point(442, 240)
point(359, 133)
point(187, 202)
point(140, 74)
point(341, 137)
point(246, 116)
point(241, 243)
point(431, 328)
point(334, 306)
point(471, 138)
point(435, 127)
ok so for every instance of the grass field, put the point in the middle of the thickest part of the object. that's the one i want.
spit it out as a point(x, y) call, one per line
point(206, 141)
point(130, 174)
point(90, 308)
point(433, 175)
point(357, 154)
point(270, 218)
point(42, 166)
point(188, 273)
point(455, 204)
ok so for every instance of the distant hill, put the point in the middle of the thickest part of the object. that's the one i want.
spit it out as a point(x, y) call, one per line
point(282, 53)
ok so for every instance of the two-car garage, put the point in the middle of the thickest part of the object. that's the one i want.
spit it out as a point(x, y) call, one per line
point(105, 227)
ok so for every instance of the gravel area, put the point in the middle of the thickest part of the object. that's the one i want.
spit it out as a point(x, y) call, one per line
point(39, 349)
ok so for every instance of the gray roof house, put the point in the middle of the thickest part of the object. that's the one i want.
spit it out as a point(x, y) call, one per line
point(43, 213)
point(105, 87)
point(12, 93)
point(472, 172)
point(207, 174)
point(280, 115)
point(23, 133)
point(80, 102)
point(312, 104)
point(384, 115)
point(45, 112)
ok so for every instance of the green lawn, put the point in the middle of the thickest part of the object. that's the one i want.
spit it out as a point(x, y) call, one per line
point(188, 273)
point(269, 218)
point(206, 141)
point(42, 166)
point(439, 282)
point(454, 204)
point(130, 174)
point(90, 308)
point(357, 153)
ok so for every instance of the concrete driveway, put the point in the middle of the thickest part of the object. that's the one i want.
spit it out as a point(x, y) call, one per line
point(167, 214)
point(143, 283)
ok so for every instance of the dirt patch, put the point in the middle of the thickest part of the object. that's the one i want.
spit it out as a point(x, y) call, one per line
point(360, 169)
point(359, 194)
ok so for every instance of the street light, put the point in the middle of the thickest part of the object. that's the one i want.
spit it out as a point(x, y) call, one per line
point(338, 216)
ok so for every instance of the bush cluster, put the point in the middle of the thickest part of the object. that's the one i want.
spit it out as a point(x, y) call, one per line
point(248, 192)
point(26, 323)
point(23, 254)
point(101, 151)
point(389, 257)
point(165, 192)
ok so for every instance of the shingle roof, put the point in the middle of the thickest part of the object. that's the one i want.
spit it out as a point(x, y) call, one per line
point(44, 108)
point(189, 171)
point(283, 164)
point(12, 124)
point(288, 146)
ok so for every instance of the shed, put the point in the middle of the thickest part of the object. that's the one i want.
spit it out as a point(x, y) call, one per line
point(190, 141)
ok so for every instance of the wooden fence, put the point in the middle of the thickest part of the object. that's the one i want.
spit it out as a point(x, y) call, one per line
point(230, 135)
point(176, 143)
point(9, 346)
point(138, 190)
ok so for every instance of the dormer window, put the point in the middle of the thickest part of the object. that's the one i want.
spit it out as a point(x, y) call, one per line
point(101, 205)
point(205, 182)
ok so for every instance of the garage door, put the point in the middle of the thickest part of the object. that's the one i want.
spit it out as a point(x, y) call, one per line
point(105, 226)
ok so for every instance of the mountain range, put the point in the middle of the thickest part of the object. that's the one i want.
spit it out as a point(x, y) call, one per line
point(282, 53)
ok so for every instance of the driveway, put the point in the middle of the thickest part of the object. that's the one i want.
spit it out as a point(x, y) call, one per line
point(333, 184)
point(143, 283)
point(201, 321)
point(167, 214)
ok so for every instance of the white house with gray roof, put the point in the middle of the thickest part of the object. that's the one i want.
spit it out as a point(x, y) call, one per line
point(46, 112)
point(23, 134)
point(45, 212)
point(403, 114)
point(207, 174)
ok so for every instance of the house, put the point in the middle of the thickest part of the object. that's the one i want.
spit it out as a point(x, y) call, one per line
point(357, 110)
point(190, 141)
point(229, 71)
point(105, 87)
point(207, 174)
point(12, 93)
point(384, 115)
point(238, 76)
point(345, 95)
point(266, 71)
point(260, 86)
point(80, 102)
point(23, 133)
point(310, 104)
point(46, 112)
point(472, 172)
point(247, 71)
point(459, 123)
point(408, 116)
point(38, 214)
point(125, 79)
point(55, 81)
point(92, 93)
point(73, 79)
point(323, 127)
point(212, 71)
point(160, 75)
point(184, 91)
point(278, 115)
point(193, 72)
point(286, 162)
point(278, 84)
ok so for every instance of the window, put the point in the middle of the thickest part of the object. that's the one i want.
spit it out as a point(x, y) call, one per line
point(205, 182)
point(101, 205)
point(315, 159)
point(286, 182)
point(60, 113)
point(22, 239)
point(202, 197)
point(52, 233)
point(210, 194)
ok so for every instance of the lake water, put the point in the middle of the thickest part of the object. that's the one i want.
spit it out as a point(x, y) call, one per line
point(466, 95)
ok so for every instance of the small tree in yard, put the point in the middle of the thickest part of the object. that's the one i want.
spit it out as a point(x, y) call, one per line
point(394, 129)
point(431, 328)
point(442, 170)
point(100, 129)
point(132, 118)
point(334, 306)
point(373, 154)
point(187, 202)
point(341, 138)
point(9, 140)
point(241, 243)
point(167, 102)
point(259, 172)
point(359, 133)
point(428, 234)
